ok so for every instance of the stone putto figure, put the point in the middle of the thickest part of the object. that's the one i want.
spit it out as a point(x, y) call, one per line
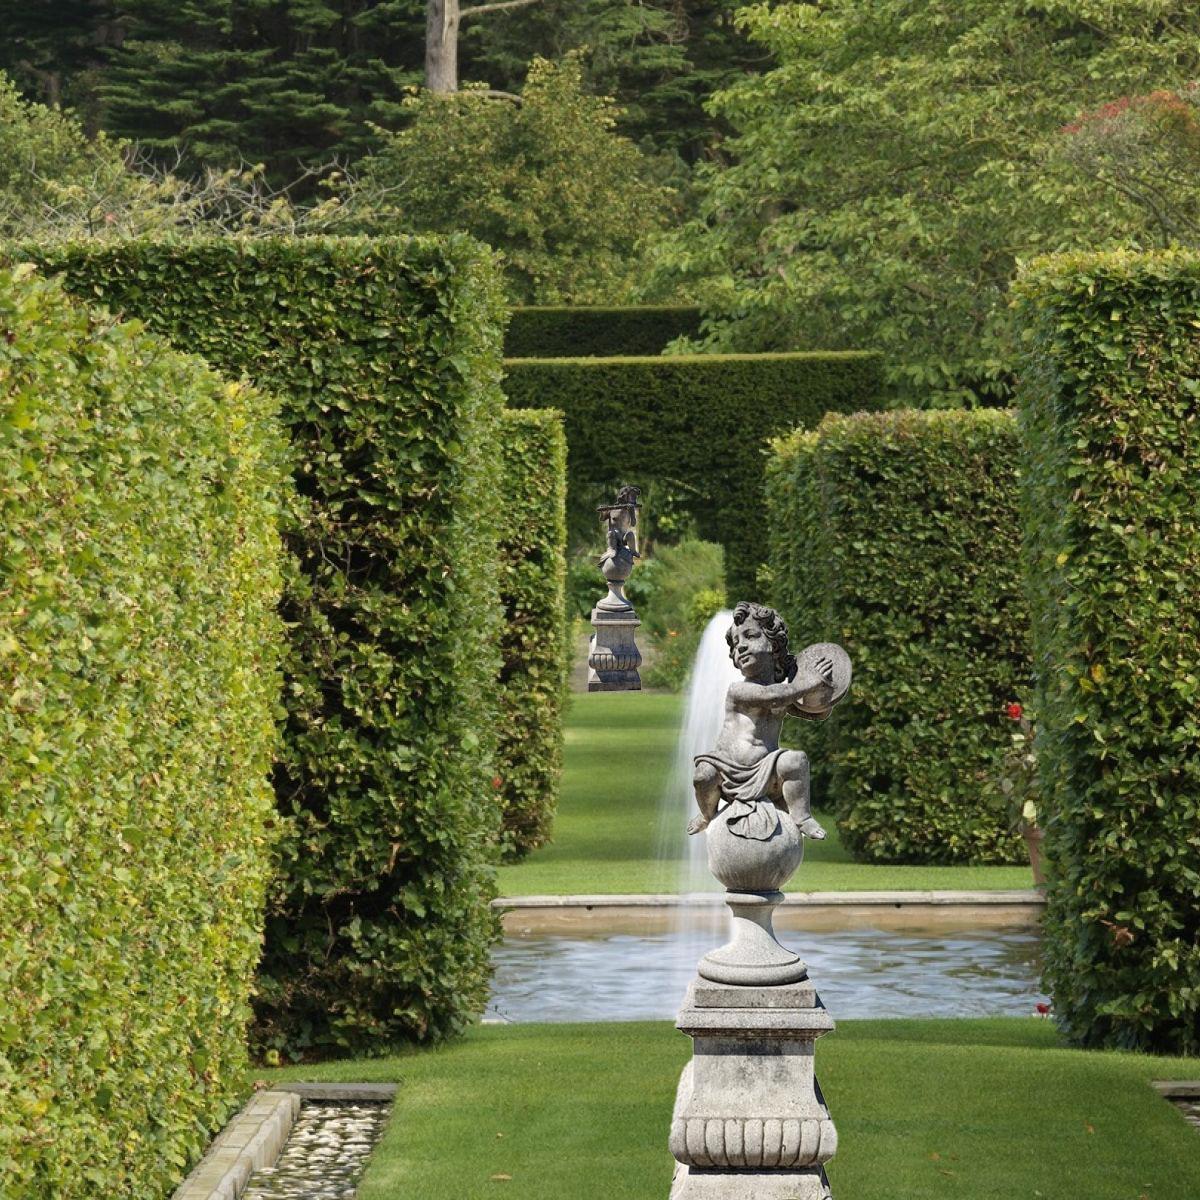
point(621, 548)
point(747, 769)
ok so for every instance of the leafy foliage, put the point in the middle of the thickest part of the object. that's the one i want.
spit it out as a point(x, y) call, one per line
point(676, 591)
point(1146, 150)
point(660, 61)
point(897, 535)
point(891, 170)
point(139, 647)
point(533, 474)
point(1109, 423)
point(296, 83)
point(47, 162)
point(230, 82)
point(548, 332)
point(697, 422)
point(546, 180)
point(385, 355)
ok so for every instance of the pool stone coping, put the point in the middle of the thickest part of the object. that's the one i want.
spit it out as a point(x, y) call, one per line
point(255, 1136)
point(941, 899)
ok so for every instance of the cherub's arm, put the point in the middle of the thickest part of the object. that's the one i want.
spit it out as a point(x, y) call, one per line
point(807, 692)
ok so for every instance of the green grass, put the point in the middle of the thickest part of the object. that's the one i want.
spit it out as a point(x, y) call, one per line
point(620, 748)
point(961, 1110)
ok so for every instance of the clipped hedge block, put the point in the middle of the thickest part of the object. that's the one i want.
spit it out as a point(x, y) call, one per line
point(534, 643)
point(694, 424)
point(1110, 413)
point(139, 647)
point(560, 332)
point(896, 534)
point(385, 355)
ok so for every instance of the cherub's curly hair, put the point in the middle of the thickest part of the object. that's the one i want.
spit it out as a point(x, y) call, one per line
point(774, 629)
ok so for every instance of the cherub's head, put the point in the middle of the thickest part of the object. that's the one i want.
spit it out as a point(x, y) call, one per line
point(758, 639)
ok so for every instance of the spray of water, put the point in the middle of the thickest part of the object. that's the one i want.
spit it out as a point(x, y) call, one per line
point(681, 856)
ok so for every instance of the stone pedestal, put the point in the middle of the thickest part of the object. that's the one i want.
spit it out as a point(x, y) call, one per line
point(750, 1122)
point(613, 656)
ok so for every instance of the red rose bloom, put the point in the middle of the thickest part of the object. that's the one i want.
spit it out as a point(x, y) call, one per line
point(497, 782)
point(1013, 711)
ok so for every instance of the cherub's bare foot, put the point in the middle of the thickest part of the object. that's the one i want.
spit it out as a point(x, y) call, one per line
point(699, 823)
point(811, 828)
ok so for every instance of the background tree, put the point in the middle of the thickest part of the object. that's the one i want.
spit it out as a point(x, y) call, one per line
point(545, 180)
point(295, 83)
point(890, 171)
point(288, 84)
point(1146, 151)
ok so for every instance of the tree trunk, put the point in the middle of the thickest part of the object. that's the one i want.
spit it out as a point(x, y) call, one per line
point(441, 45)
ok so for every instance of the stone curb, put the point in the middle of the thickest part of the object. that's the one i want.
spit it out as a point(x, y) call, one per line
point(253, 1139)
point(369, 1093)
point(1186, 1089)
point(1030, 896)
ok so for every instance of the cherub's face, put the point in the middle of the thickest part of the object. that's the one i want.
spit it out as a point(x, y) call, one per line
point(752, 652)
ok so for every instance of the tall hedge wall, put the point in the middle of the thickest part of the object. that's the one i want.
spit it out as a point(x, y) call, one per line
point(385, 355)
point(533, 570)
point(559, 332)
point(138, 687)
point(697, 422)
point(897, 535)
point(1110, 412)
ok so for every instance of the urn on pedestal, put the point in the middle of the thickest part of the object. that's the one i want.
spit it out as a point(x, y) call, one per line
point(750, 1122)
point(613, 657)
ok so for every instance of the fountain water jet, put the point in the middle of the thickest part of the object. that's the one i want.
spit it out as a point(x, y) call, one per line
point(682, 862)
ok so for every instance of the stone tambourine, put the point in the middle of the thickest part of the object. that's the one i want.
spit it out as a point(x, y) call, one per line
point(842, 670)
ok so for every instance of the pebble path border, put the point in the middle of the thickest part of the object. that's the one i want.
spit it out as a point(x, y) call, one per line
point(325, 1154)
point(254, 1138)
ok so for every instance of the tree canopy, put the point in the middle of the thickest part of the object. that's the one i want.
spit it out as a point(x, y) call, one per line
point(891, 170)
point(543, 178)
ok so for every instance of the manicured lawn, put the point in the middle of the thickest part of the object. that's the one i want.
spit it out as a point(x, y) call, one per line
point(961, 1110)
point(619, 753)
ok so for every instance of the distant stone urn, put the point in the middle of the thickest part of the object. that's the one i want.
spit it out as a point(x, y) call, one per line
point(613, 656)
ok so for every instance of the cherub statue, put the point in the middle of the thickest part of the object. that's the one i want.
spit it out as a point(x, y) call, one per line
point(621, 549)
point(747, 766)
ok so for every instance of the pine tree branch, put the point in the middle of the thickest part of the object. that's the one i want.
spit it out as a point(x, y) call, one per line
point(476, 9)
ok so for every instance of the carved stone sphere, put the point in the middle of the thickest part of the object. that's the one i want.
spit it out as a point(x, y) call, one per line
point(750, 865)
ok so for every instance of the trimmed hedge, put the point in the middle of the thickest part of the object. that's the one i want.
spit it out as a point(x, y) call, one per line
point(534, 644)
point(139, 649)
point(896, 534)
point(1110, 412)
point(385, 354)
point(550, 332)
point(696, 423)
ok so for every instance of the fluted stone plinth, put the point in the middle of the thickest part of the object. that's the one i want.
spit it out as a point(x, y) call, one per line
point(750, 1122)
point(613, 656)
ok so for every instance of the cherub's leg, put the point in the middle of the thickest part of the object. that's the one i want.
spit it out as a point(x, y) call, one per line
point(792, 769)
point(707, 782)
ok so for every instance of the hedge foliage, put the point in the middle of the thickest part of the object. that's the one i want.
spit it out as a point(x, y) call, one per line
point(139, 646)
point(696, 424)
point(534, 643)
point(587, 332)
point(896, 534)
point(386, 356)
point(1110, 412)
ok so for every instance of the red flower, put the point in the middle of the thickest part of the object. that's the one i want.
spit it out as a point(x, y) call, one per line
point(1043, 1010)
point(497, 782)
point(1013, 711)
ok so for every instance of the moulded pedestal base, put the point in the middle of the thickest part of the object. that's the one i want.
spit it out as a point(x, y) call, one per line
point(750, 1122)
point(613, 656)
point(697, 1183)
